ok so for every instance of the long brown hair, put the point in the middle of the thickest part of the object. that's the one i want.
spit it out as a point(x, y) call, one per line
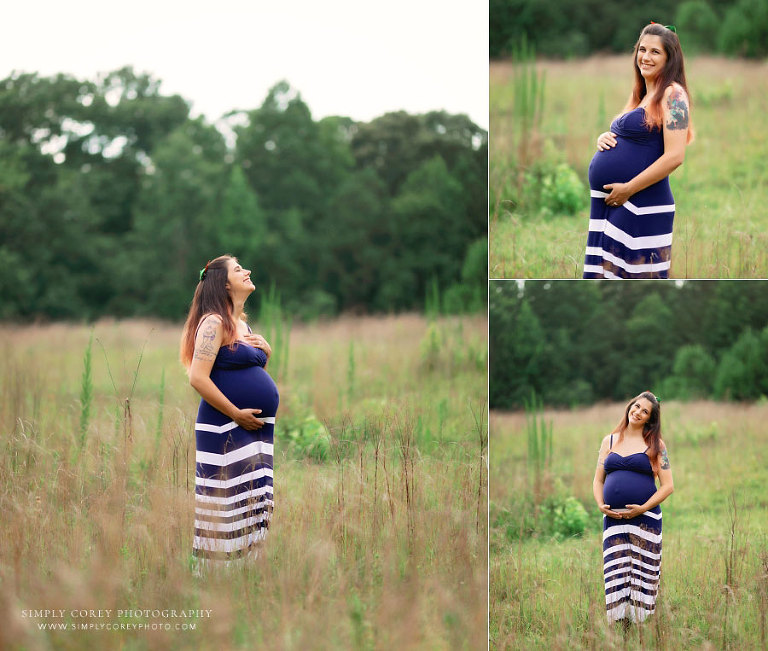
point(674, 71)
point(651, 429)
point(211, 297)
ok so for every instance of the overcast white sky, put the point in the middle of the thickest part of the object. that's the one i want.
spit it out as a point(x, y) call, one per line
point(345, 57)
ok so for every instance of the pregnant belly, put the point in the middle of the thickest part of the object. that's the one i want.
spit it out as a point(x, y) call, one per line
point(249, 388)
point(619, 164)
point(624, 487)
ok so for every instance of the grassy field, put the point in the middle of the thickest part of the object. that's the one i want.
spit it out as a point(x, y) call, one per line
point(714, 580)
point(721, 225)
point(382, 545)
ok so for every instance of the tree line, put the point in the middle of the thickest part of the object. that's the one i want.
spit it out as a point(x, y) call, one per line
point(573, 343)
point(112, 197)
point(558, 28)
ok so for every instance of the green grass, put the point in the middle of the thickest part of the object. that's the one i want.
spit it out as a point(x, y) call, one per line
point(384, 545)
point(721, 225)
point(714, 585)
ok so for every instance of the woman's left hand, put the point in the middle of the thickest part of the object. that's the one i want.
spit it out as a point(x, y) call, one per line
point(257, 341)
point(634, 511)
point(619, 193)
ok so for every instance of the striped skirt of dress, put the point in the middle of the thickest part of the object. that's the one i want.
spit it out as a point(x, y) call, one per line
point(233, 489)
point(632, 565)
point(628, 241)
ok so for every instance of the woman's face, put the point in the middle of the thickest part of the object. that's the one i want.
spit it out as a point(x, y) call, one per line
point(640, 412)
point(651, 56)
point(238, 279)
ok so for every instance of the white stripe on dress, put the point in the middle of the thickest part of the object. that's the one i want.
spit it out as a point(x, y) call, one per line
point(630, 241)
point(633, 268)
point(228, 544)
point(633, 594)
point(231, 499)
point(220, 429)
point(233, 456)
point(223, 513)
point(231, 526)
point(647, 210)
point(618, 529)
point(631, 571)
point(207, 482)
point(637, 583)
point(634, 548)
point(634, 561)
point(628, 611)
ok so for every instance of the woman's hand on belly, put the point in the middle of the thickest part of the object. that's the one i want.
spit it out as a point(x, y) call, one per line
point(247, 419)
point(606, 140)
point(619, 193)
point(634, 511)
point(606, 508)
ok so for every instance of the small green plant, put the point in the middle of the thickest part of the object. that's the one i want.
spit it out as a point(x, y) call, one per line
point(528, 99)
point(562, 192)
point(160, 409)
point(431, 345)
point(276, 328)
point(86, 393)
point(305, 437)
point(539, 437)
point(565, 517)
point(351, 371)
point(432, 300)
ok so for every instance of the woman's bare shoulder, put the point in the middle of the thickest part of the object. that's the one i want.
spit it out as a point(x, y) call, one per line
point(211, 321)
point(675, 89)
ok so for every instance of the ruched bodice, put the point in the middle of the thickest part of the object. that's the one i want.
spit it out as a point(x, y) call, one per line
point(629, 480)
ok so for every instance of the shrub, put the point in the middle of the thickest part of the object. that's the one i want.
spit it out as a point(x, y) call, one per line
point(555, 190)
point(304, 436)
point(564, 517)
point(697, 24)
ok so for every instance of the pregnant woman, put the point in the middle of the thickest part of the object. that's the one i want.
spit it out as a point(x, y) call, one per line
point(626, 493)
point(235, 421)
point(630, 224)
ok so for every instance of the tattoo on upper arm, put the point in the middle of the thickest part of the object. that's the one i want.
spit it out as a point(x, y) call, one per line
point(678, 111)
point(205, 348)
point(664, 460)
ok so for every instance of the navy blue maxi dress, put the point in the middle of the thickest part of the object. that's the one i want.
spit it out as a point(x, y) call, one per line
point(631, 548)
point(633, 240)
point(234, 472)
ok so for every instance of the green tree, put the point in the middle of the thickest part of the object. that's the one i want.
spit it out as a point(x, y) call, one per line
point(241, 228)
point(698, 22)
point(744, 29)
point(743, 370)
point(177, 222)
point(692, 376)
point(428, 236)
point(518, 356)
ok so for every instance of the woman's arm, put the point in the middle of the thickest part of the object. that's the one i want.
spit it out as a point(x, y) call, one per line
point(207, 343)
point(665, 489)
point(676, 120)
point(599, 481)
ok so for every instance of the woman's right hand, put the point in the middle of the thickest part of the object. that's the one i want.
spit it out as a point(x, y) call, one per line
point(606, 508)
point(606, 140)
point(246, 418)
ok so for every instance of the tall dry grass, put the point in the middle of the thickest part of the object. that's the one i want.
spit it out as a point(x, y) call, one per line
point(380, 546)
